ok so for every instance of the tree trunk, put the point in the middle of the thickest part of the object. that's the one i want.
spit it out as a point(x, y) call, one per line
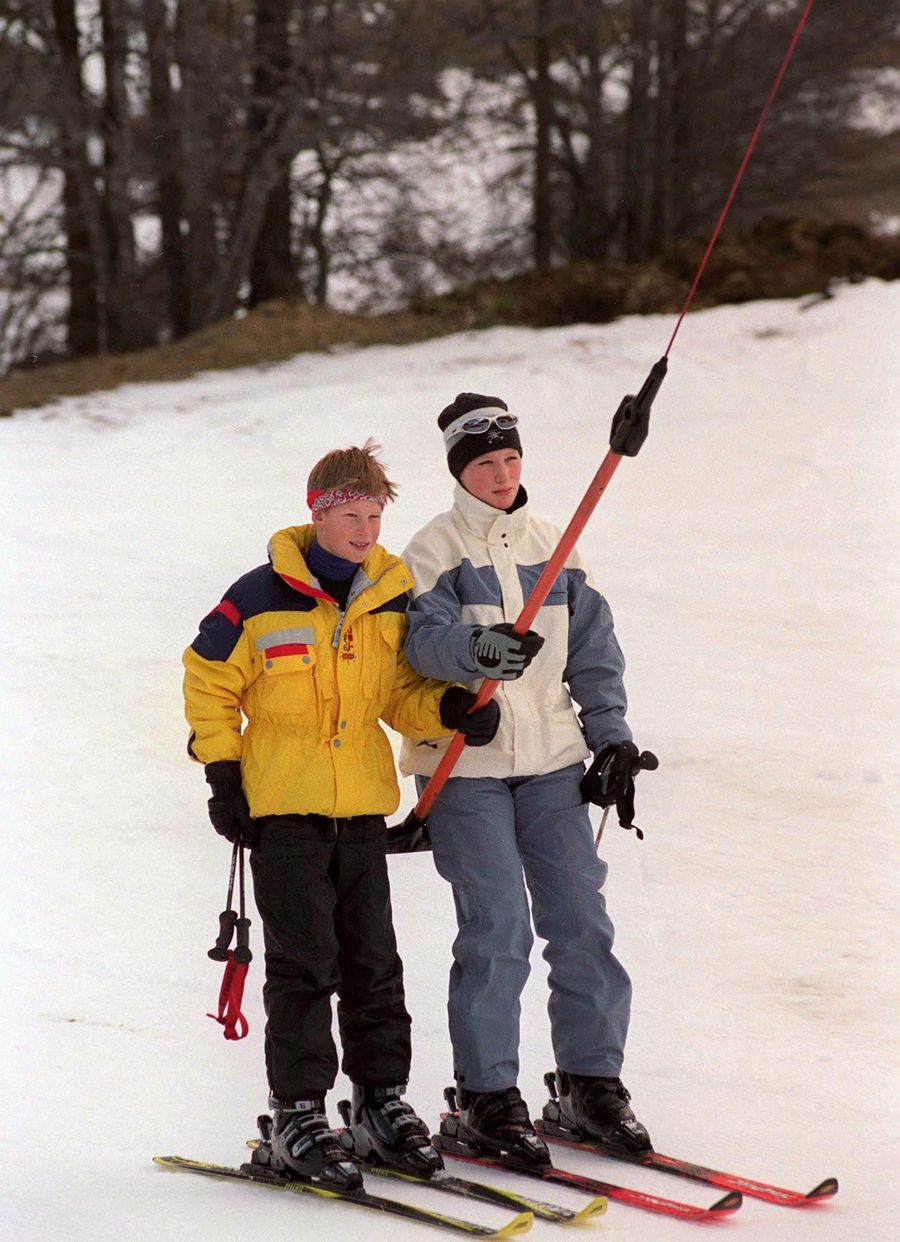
point(543, 110)
point(83, 334)
point(123, 308)
point(168, 179)
point(668, 193)
point(82, 316)
point(318, 240)
point(638, 134)
point(272, 267)
point(197, 153)
point(590, 225)
point(262, 176)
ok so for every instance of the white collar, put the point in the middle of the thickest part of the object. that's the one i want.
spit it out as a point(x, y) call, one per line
point(485, 520)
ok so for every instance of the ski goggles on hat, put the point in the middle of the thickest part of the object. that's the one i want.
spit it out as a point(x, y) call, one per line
point(477, 423)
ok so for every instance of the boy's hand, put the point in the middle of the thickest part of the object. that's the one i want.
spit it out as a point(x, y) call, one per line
point(478, 728)
point(229, 813)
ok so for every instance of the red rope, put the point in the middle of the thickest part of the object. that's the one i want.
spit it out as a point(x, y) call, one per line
point(744, 162)
point(231, 994)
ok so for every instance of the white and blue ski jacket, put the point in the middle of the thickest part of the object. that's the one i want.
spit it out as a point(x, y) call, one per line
point(475, 566)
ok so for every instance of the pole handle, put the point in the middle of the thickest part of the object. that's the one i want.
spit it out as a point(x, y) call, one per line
point(219, 951)
point(631, 421)
point(242, 952)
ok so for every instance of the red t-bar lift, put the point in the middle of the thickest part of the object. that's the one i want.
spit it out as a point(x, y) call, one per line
point(629, 431)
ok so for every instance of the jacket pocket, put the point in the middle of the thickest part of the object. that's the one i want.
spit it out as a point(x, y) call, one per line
point(283, 648)
point(380, 667)
point(390, 646)
point(288, 682)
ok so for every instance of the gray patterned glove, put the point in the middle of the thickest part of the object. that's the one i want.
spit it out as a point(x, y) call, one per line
point(502, 654)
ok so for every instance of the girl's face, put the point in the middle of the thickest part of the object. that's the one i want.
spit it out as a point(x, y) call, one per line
point(494, 477)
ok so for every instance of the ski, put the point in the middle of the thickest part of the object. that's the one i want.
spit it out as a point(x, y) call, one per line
point(459, 1150)
point(554, 1128)
point(376, 1203)
point(492, 1194)
point(694, 1172)
point(483, 1193)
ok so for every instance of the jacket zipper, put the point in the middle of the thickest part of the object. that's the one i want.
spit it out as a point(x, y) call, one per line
point(337, 633)
point(350, 600)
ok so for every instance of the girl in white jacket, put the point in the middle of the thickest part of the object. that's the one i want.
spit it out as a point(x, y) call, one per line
point(512, 815)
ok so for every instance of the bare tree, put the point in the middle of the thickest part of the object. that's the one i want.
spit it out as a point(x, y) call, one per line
point(194, 156)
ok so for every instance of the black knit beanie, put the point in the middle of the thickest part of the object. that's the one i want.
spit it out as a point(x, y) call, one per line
point(468, 447)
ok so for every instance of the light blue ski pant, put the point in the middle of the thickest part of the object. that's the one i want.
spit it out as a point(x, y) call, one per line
point(491, 838)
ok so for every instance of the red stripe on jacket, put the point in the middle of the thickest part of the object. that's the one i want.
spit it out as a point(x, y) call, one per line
point(227, 609)
point(306, 588)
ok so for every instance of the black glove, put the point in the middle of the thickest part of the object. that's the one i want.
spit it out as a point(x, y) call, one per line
point(480, 727)
point(229, 813)
point(502, 654)
point(610, 778)
point(410, 837)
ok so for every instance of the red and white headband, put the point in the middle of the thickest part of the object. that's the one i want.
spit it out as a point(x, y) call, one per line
point(319, 501)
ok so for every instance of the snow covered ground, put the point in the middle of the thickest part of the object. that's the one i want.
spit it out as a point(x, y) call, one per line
point(750, 556)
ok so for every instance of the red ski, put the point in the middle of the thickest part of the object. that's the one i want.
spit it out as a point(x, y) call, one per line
point(554, 1127)
point(459, 1150)
point(695, 1172)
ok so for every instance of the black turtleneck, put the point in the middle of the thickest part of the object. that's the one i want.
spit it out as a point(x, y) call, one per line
point(520, 500)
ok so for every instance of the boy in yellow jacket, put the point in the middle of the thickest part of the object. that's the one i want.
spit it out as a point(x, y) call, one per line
point(285, 686)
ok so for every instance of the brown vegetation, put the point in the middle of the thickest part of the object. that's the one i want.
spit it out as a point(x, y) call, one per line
point(777, 258)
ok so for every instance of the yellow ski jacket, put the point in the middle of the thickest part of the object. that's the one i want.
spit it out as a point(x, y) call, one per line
point(281, 679)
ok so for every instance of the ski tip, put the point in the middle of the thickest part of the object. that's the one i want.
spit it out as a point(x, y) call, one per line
point(169, 1162)
point(824, 1190)
point(728, 1203)
point(519, 1224)
point(596, 1207)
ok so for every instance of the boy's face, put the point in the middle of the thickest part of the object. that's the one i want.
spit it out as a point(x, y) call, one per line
point(350, 530)
point(494, 477)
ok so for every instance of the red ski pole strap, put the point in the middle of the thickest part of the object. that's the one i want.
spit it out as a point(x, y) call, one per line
point(231, 994)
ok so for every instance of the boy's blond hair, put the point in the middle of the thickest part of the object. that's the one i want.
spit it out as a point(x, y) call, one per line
point(353, 469)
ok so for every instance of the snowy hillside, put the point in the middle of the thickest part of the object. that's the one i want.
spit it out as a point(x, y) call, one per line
point(750, 556)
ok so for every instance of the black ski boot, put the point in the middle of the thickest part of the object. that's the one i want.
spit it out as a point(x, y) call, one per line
point(382, 1129)
point(598, 1108)
point(492, 1123)
point(297, 1140)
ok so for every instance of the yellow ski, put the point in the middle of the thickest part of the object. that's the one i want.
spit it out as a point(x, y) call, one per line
point(376, 1203)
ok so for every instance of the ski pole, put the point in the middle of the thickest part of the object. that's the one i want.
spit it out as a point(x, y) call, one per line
point(242, 954)
point(228, 917)
point(238, 959)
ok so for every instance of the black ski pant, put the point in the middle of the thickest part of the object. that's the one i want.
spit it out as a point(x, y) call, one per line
point(323, 895)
